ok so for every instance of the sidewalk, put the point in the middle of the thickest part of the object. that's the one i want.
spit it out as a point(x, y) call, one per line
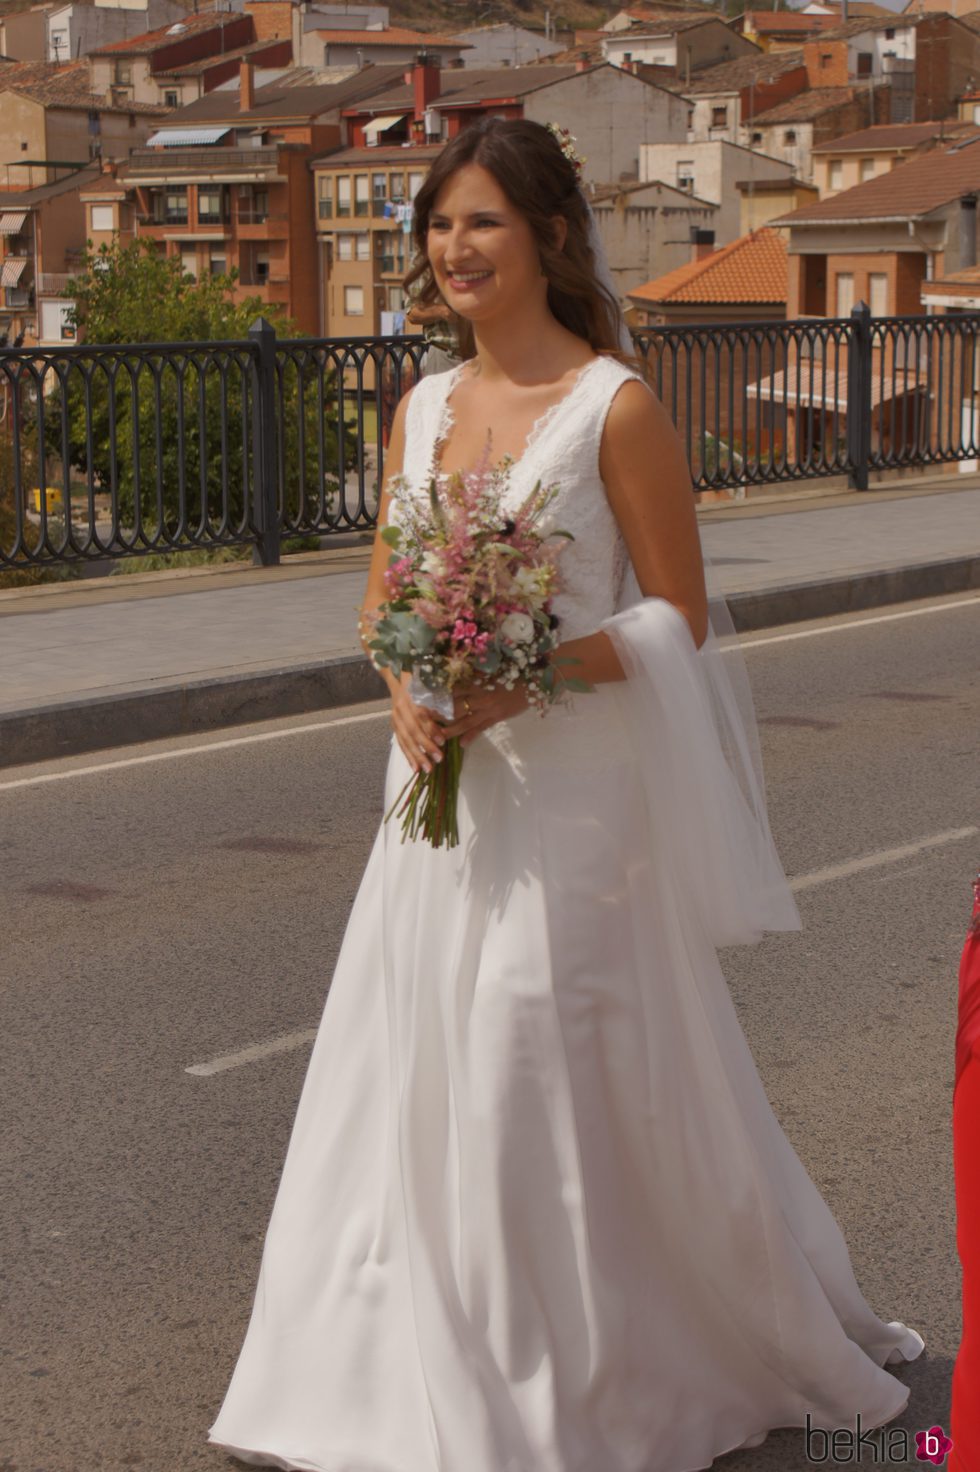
point(109, 661)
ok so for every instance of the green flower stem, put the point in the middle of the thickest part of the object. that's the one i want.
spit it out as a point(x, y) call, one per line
point(428, 804)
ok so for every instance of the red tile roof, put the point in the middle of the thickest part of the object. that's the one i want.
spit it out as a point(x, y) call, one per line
point(913, 189)
point(149, 41)
point(750, 269)
point(805, 106)
point(768, 22)
point(66, 84)
point(392, 36)
point(894, 136)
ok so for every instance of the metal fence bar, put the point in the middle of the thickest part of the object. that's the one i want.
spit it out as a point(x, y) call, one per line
point(176, 445)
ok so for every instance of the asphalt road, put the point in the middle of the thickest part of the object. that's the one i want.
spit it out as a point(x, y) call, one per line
point(161, 914)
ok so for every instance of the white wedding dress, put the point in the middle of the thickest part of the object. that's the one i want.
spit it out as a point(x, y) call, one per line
point(536, 1213)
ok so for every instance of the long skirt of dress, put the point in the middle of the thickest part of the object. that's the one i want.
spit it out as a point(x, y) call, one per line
point(536, 1213)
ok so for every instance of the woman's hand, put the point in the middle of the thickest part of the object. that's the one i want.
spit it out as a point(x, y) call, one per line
point(419, 733)
point(475, 708)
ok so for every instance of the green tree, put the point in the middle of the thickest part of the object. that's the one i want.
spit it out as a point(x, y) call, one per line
point(181, 423)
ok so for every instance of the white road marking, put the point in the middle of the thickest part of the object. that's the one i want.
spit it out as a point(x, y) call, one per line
point(169, 756)
point(259, 1050)
point(873, 860)
point(857, 623)
point(879, 857)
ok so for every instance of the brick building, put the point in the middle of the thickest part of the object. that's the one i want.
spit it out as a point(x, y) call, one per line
point(51, 113)
point(227, 183)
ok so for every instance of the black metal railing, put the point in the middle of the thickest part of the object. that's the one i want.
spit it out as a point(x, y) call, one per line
point(120, 451)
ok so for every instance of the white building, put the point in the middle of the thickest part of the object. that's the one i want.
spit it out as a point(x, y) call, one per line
point(75, 29)
point(504, 45)
point(712, 172)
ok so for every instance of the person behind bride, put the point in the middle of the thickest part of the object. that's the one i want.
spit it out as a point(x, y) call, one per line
point(536, 1213)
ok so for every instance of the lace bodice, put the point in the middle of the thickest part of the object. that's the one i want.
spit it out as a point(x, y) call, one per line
point(562, 449)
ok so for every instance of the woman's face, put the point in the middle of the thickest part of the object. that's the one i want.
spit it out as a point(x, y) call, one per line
point(482, 251)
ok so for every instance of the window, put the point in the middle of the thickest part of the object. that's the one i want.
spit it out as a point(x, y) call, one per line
point(685, 175)
point(171, 98)
point(343, 194)
point(756, 139)
point(396, 298)
point(103, 217)
point(170, 206)
point(362, 246)
point(865, 63)
point(976, 112)
point(218, 263)
point(210, 206)
point(122, 73)
point(188, 263)
point(414, 183)
point(379, 186)
point(867, 169)
point(878, 293)
point(845, 294)
point(719, 117)
point(345, 247)
point(397, 187)
point(889, 33)
point(789, 137)
point(324, 196)
point(354, 301)
point(361, 199)
point(837, 173)
point(261, 268)
point(826, 59)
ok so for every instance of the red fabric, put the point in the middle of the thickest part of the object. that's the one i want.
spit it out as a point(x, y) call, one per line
point(965, 1417)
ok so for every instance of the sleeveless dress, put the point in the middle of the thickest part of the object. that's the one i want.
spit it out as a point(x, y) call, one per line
point(536, 1213)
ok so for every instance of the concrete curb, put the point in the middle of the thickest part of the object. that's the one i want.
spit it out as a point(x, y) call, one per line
point(94, 723)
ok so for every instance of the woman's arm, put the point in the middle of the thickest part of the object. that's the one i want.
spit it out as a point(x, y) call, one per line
point(416, 729)
point(648, 486)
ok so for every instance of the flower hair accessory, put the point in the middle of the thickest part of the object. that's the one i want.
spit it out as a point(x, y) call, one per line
point(566, 143)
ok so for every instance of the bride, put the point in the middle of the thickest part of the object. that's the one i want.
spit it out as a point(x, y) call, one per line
point(536, 1213)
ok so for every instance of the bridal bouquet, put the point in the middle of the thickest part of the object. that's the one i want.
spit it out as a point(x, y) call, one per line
point(469, 601)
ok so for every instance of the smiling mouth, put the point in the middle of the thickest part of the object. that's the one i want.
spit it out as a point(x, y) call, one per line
point(465, 279)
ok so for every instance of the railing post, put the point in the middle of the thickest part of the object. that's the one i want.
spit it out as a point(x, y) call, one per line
point(859, 396)
point(265, 490)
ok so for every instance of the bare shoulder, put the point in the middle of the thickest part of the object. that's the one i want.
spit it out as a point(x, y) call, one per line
point(638, 435)
point(634, 407)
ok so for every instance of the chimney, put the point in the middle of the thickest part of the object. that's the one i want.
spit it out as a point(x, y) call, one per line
point(968, 231)
point(703, 242)
point(246, 87)
point(425, 86)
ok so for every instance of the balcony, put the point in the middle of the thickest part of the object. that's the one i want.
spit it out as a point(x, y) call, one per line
point(361, 207)
point(53, 283)
point(258, 225)
point(378, 208)
point(325, 209)
point(202, 165)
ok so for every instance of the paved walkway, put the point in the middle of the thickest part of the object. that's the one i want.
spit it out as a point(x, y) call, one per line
point(106, 637)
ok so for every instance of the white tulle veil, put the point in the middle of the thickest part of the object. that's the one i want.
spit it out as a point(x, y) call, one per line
point(695, 735)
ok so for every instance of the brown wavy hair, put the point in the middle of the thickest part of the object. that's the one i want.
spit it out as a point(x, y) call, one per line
point(527, 162)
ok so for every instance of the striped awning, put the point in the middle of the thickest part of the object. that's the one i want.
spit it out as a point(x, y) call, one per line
point(185, 137)
point(13, 270)
point(12, 224)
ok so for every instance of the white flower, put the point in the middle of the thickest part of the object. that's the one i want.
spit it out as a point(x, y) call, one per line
point(433, 563)
point(518, 626)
